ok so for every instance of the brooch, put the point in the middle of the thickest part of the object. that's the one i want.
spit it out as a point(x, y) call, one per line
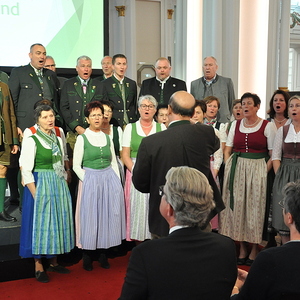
point(75, 83)
point(127, 84)
point(114, 85)
point(174, 84)
point(30, 75)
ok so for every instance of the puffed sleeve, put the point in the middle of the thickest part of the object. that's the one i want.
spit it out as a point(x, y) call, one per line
point(27, 159)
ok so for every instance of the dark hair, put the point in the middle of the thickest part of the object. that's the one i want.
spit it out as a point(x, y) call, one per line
point(255, 98)
point(118, 56)
point(159, 106)
point(210, 99)
point(178, 110)
point(291, 193)
point(108, 103)
point(271, 111)
point(43, 102)
point(39, 109)
point(91, 106)
point(201, 104)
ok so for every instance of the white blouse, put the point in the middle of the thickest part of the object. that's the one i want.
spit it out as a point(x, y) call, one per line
point(269, 132)
point(27, 157)
point(97, 139)
point(291, 137)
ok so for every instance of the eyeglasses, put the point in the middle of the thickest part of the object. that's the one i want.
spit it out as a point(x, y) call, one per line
point(144, 106)
point(108, 111)
point(161, 190)
point(281, 203)
point(96, 116)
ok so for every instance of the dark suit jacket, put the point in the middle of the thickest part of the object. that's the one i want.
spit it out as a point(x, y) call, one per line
point(110, 91)
point(182, 144)
point(26, 91)
point(188, 264)
point(153, 87)
point(73, 101)
point(274, 273)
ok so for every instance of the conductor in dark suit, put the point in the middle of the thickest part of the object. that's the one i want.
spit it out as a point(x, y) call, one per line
point(121, 92)
point(188, 263)
point(182, 144)
point(163, 86)
point(31, 83)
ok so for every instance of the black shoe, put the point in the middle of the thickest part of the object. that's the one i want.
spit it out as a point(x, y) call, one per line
point(103, 261)
point(4, 216)
point(249, 262)
point(58, 269)
point(87, 262)
point(41, 277)
point(242, 261)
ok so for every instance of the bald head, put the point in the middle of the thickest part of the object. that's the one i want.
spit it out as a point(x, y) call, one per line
point(182, 104)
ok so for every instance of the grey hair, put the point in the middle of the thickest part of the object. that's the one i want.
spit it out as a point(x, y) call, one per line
point(147, 97)
point(38, 111)
point(188, 191)
point(84, 57)
point(212, 58)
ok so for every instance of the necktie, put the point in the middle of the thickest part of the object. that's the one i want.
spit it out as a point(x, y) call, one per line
point(40, 76)
point(84, 86)
point(125, 118)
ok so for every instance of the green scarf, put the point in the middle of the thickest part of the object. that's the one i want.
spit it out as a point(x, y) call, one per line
point(52, 141)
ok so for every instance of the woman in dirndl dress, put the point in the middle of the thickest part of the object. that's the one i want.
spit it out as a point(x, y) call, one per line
point(247, 162)
point(137, 203)
point(100, 211)
point(47, 222)
point(286, 163)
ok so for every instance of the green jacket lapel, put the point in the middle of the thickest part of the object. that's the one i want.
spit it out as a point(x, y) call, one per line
point(115, 86)
point(34, 77)
point(78, 87)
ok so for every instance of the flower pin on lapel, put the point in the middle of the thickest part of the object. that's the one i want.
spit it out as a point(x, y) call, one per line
point(75, 83)
point(114, 85)
point(127, 84)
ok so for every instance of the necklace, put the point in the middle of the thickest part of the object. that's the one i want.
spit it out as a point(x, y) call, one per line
point(245, 122)
point(279, 121)
point(146, 126)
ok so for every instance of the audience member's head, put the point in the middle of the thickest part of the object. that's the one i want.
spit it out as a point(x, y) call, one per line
point(161, 115)
point(84, 67)
point(106, 64)
point(37, 56)
point(279, 103)
point(162, 68)
point(50, 63)
point(187, 197)
point(210, 67)
point(182, 104)
point(291, 202)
